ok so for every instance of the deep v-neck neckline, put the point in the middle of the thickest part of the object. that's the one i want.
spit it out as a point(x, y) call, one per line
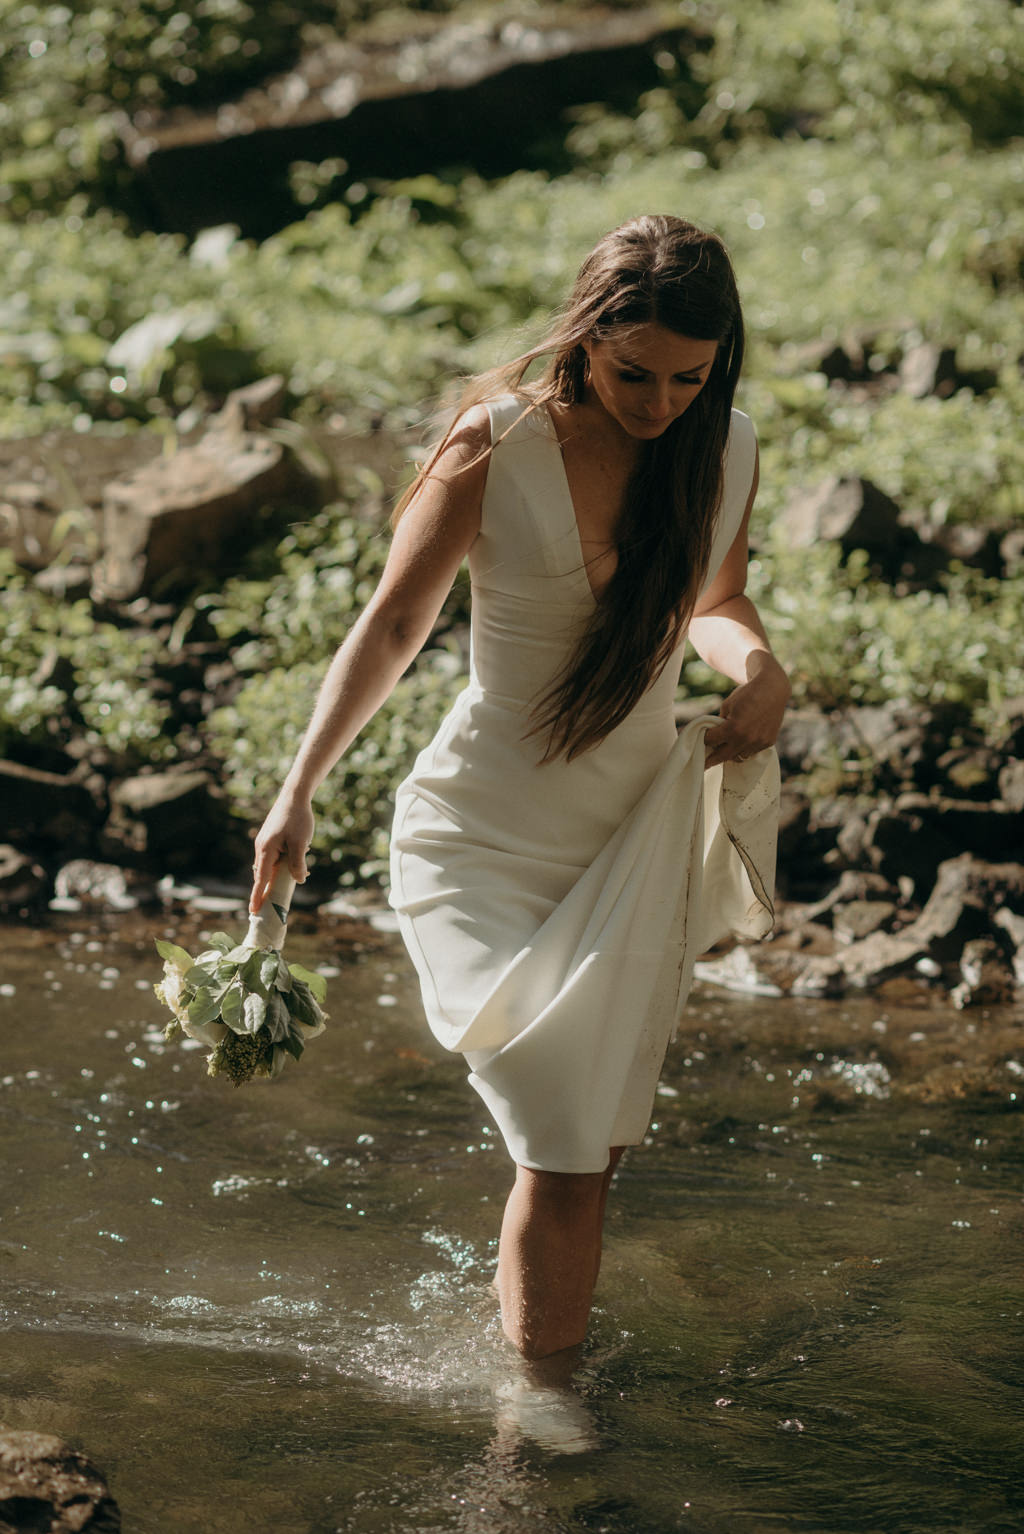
point(556, 443)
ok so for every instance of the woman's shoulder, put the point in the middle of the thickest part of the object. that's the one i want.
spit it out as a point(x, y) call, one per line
point(741, 430)
point(740, 450)
point(511, 413)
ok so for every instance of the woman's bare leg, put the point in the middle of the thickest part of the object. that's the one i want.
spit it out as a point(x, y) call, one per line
point(549, 1256)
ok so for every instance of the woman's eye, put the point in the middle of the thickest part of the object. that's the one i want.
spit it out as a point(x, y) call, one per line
point(631, 377)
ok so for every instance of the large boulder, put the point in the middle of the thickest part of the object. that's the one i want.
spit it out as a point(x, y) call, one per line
point(47, 1486)
point(46, 809)
point(473, 90)
point(172, 818)
point(181, 515)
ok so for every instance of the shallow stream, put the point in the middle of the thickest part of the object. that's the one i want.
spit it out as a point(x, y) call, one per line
point(270, 1309)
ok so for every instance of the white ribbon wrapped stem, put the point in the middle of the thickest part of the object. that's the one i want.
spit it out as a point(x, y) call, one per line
point(268, 927)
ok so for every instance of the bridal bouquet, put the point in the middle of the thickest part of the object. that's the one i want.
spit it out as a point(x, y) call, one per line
point(245, 1001)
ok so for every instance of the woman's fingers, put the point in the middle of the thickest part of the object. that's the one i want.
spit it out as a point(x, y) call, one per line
point(282, 839)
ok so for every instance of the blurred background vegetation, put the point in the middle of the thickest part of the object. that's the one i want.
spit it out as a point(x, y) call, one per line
point(863, 160)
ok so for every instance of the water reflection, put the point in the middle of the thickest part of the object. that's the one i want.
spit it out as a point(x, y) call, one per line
point(809, 1317)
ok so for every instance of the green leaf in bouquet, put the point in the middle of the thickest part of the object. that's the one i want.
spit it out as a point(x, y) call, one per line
point(249, 974)
point(226, 971)
point(240, 953)
point(199, 976)
point(278, 1018)
point(283, 982)
point(221, 942)
point(316, 983)
point(293, 1044)
point(268, 970)
point(204, 1006)
point(231, 1009)
point(174, 954)
point(254, 1012)
point(302, 1005)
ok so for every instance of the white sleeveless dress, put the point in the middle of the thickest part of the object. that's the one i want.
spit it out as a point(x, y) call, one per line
point(554, 912)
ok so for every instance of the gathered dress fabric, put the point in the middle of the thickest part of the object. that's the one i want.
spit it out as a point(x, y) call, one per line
point(554, 910)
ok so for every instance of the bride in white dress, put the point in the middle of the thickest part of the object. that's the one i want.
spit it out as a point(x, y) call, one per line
point(559, 856)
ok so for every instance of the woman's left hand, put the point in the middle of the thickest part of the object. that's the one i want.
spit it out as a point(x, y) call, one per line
point(751, 716)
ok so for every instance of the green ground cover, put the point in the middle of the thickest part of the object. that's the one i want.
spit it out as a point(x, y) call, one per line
point(860, 160)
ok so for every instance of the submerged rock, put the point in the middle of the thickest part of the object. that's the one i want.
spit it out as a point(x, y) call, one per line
point(987, 975)
point(21, 880)
point(46, 1485)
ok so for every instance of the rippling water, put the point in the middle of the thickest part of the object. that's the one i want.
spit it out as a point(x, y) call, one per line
point(270, 1309)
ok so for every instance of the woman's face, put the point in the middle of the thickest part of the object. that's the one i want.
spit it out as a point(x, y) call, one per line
point(646, 380)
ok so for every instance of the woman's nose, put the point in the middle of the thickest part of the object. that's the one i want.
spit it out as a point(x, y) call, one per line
point(657, 403)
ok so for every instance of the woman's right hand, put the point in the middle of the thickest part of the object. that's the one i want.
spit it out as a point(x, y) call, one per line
point(284, 837)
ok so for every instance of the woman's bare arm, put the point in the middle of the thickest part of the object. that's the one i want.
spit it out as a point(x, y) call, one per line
point(726, 631)
point(430, 542)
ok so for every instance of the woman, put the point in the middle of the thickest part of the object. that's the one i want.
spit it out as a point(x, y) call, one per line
point(559, 857)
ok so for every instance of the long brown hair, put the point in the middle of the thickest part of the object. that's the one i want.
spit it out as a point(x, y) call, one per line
point(661, 270)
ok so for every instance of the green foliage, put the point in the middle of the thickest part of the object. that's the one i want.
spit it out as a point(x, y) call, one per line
point(69, 73)
point(325, 571)
point(855, 68)
point(256, 736)
point(844, 638)
point(952, 460)
point(103, 683)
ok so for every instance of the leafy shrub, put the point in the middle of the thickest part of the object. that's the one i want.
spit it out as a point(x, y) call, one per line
point(845, 639)
point(854, 68)
point(104, 686)
point(323, 573)
point(257, 735)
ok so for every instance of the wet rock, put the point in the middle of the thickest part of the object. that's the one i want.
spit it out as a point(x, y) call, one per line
point(819, 975)
point(987, 830)
point(1011, 785)
point(47, 1486)
point(22, 881)
point(167, 817)
point(967, 890)
point(84, 882)
point(896, 846)
point(770, 969)
point(45, 808)
point(1012, 926)
point(988, 977)
point(875, 959)
point(856, 919)
point(958, 910)
point(180, 515)
point(971, 771)
point(852, 841)
point(805, 740)
point(738, 970)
